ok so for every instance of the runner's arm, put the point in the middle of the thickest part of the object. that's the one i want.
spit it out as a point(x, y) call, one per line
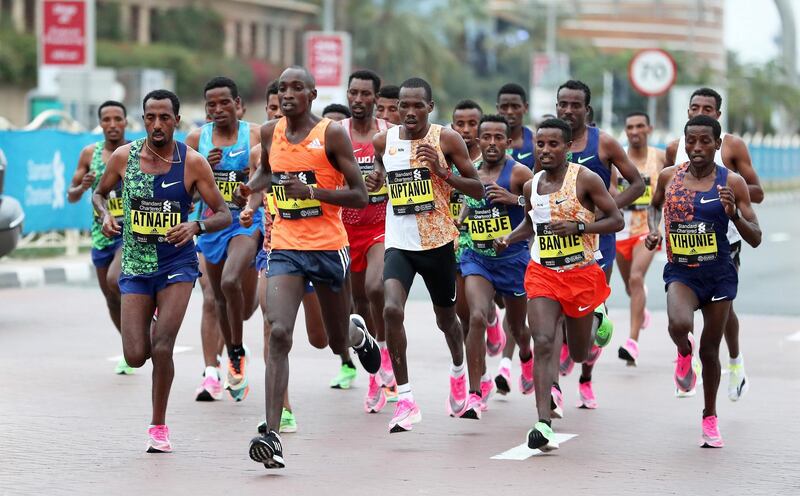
point(81, 180)
point(627, 169)
point(193, 139)
point(262, 177)
point(595, 188)
point(671, 152)
point(743, 165)
point(654, 211)
point(735, 198)
point(377, 178)
point(524, 230)
point(209, 192)
point(455, 150)
point(339, 151)
point(115, 169)
point(254, 161)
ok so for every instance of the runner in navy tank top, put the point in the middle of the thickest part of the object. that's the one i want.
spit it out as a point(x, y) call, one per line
point(512, 103)
point(700, 199)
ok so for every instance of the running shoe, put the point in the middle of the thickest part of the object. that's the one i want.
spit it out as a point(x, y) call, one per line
point(503, 380)
point(474, 407)
point(629, 352)
point(158, 439)
point(288, 422)
point(375, 399)
point(495, 336)
point(406, 413)
point(606, 328)
point(738, 383)
point(390, 392)
point(123, 368)
point(685, 375)
point(556, 402)
point(711, 436)
point(586, 397)
point(542, 437)
point(487, 388)
point(386, 374)
point(565, 363)
point(346, 377)
point(593, 355)
point(646, 319)
point(236, 382)
point(210, 389)
point(457, 399)
point(369, 354)
point(267, 449)
point(526, 377)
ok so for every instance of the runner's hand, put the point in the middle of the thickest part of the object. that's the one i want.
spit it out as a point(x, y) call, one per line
point(428, 155)
point(498, 194)
point(214, 156)
point(564, 228)
point(374, 181)
point(246, 217)
point(728, 200)
point(182, 233)
point(500, 244)
point(295, 188)
point(87, 180)
point(652, 241)
point(241, 194)
point(110, 226)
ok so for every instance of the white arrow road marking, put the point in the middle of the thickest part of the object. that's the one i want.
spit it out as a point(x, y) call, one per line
point(522, 452)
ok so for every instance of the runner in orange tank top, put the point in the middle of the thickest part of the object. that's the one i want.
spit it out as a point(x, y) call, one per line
point(308, 161)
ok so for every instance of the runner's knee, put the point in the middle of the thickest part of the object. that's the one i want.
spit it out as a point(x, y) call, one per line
point(636, 280)
point(393, 314)
point(280, 341)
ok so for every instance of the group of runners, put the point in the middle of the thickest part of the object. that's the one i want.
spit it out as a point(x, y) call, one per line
point(342, 216)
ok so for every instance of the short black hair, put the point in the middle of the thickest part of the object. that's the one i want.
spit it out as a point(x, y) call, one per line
point(309, 78)
point(574, 84)
point(467, 104)
point(566, 131)
point(704, 120)
point(494, 118)
point(389, 91)
point(513, 89)
point(416, 82)
point(163, 95)
point(222, 82)
point(111, 103)
point(337, 107)
point(638, 113)
point(272, 88)
point(366, 75)
point(708, 92)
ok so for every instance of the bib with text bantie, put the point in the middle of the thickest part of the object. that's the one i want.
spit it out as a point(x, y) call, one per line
point(294, 208)
point(487, 224)
point(693, 242)
point(151, 219)
point(114, 205)
point(227, 182)
point(558, 251)
point(411, 191)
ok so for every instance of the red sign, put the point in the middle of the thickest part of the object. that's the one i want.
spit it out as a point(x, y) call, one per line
point(64, 32)
point(327, 58)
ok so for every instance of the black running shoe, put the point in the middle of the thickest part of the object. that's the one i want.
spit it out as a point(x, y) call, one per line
point(368, 353)
point(502, 384)
point(267, 449)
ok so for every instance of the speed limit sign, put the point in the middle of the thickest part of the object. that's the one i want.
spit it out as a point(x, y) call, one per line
point(652, 72)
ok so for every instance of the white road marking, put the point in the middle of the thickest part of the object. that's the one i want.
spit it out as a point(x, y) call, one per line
point(778, 237)
point(522, 452)
point(175, 351)
point(793, 337)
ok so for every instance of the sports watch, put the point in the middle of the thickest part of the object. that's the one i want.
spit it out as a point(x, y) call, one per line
point(521, 200)
point(201, 226)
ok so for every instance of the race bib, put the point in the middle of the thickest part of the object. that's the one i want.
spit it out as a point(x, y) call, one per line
point(382, 194)
point(692, 242)
point(269, 199)
point(643, 201)
point(411, 191)
point(293, 208)
point(113, 205)
point(227, 182)
point(558, 251)
point(151, 219)
point(487, 224)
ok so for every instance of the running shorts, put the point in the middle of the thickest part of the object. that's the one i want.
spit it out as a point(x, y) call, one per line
point(607, 251)
point(716, 282)
point(579, 291)
point(102, 258)
point(437, 267)
point(736, 253)
point(507, 274)
point(151, 284)
point(361, 239)
point(625, 246)
point(214, 246)
point(326, 267)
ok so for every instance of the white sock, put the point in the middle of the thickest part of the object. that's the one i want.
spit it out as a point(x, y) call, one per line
point(211, 371)
point(404, 392)
point(382, 345)
point(486, 377)
point(505, 363)
point(456, 370)
point(493, 320)
point(739, 360)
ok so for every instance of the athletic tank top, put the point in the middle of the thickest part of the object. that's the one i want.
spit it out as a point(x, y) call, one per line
point(364, 152)
point(635, 214)
point(560, 252)
point(418, 217)
point(307, 225)
point(234, 168)
point(152, 205)
point(524, 154)
point(695, 222)
point(114, 204)
point(590, 156)
point(681, 157)
point(488, 221)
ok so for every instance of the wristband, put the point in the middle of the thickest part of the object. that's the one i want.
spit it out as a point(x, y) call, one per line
point(735, 215)
point(448, 176)
point(310, 191)
point(581, 227)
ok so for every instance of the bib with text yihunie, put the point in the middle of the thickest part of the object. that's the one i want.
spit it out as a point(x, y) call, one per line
point(487, 224)
point(151, 219)
point(411, 191)
point(693, 242)
point(227, 182)
point(294, 208)
point(558, 251)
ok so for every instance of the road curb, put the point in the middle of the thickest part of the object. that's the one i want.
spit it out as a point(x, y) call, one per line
point(31, 276)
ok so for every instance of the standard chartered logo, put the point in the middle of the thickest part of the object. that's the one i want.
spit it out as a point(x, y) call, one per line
point(45, 183)
point(417, 175)
point(167, 206)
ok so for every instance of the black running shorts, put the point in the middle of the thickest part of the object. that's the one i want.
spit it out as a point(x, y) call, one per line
point(437, 268)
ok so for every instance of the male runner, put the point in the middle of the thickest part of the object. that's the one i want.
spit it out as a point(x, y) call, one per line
point(386, 105)
point(230, 254)
point(633, 259)
point(106, 252)
point(336, 112)
point(310, 165)
point(732, 154)
point(600, 152)
point(417, 158)
point(562, 277)
point(273, 107)
point(700, 199)
point(485, 271)
point(159, 263)
point(365, 232)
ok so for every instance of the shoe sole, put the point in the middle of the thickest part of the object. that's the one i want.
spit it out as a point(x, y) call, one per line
point(555, 410)
point(414, 419)
point(537, 444)
point(741, 393)
point(369, 350)
point(502, 385)
point(262, 454)
point(238, 394)
point(685, 394)
point(153, 449)
point(206, 396)
point(287, 430)
point(471, 414)
point(623, 354)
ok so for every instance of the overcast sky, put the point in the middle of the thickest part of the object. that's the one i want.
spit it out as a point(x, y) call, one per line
point(751, 27)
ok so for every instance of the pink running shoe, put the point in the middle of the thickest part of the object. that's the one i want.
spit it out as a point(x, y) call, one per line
point(474, 407)
point(556, 402)
point(685, 377)
point(158, 439)
point(386, 373)
point(565, 363)
point(629, 352)
point(594, 355)
point(711, 436)
point(586, 396)
point(210, 389)
point(503, 380)
point(457, 400)
point(487, 388)
point(375, 399)
point(406, 414)
point(526, 377)
point(646, 319)
point(495, 336)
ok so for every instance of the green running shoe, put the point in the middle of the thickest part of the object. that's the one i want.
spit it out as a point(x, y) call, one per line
point(606, 328)
point(344, 380)
point(288, 423)
point(122, 368)
point(542, 437)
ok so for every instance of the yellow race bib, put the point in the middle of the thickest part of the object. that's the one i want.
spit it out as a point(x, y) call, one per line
point(227, 182)
point(270, 199)
point(487, 224)
point(411, 191)
point(293, 208)
point(558, 251)
point(456, 202)
point(113, 205)
point(151, 219)
point(692, 242)
point(366, 167)
point(643, 201)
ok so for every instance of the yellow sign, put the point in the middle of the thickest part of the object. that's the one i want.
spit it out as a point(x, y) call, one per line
point(411, 191)
point(151, 219)
point(295, 208)
point(693, 242)
point(558, 251)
